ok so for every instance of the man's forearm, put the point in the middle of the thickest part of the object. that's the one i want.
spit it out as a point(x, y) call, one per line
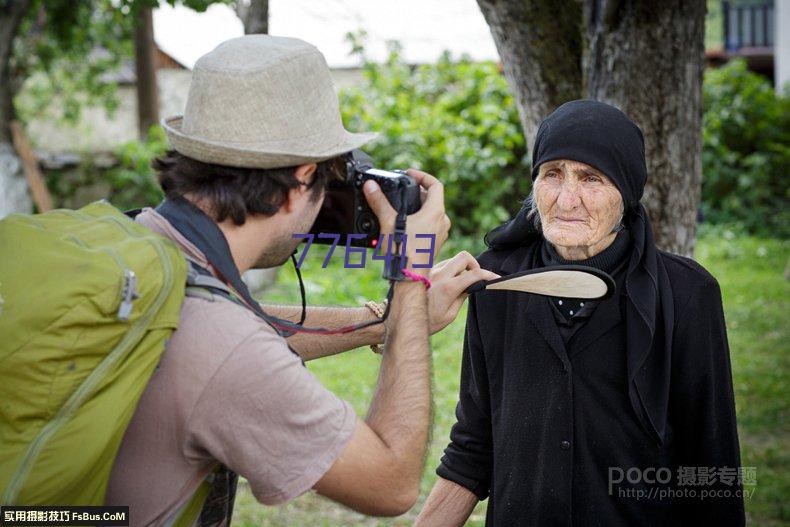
point(312, 346)
point(400, 412)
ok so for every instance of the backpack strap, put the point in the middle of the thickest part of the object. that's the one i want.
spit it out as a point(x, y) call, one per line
point(132, 213)
point(202, 284)
point(189, 513)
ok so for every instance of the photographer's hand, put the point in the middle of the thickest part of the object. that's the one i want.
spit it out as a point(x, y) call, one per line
point(429, 220)
point(449, 278)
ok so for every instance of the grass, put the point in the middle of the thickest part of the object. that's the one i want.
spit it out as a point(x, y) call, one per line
point(751, 274)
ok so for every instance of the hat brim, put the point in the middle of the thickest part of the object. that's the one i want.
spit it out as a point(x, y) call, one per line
point(262, 155)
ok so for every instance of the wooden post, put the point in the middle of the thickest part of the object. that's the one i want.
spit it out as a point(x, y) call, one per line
point(38, 187)
point(147, 97)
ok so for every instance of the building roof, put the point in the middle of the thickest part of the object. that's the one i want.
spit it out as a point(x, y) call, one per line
point(425, 28)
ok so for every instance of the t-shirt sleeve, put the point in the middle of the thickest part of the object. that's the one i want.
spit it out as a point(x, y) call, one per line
point(267, 418)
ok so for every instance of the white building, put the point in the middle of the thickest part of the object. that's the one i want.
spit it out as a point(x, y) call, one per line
point(782, 44)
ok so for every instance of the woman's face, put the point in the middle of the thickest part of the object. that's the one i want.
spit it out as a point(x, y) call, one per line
point(578, 205)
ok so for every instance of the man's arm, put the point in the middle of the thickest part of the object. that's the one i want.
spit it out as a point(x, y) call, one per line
point(449, 279)
point(448, 505)
point(379, 471)
point(310, 346)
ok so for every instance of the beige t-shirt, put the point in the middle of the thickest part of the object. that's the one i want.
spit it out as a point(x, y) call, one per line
point(227, 388)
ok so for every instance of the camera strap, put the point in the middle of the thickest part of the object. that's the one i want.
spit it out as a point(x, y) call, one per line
point(202, 231)
point(393, 267)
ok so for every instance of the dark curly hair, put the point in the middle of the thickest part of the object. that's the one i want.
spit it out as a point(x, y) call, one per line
point(235, 193)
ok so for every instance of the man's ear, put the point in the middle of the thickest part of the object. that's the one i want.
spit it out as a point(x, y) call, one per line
point(304, 174)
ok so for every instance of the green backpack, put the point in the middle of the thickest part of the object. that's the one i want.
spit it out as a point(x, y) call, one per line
point(88, 299)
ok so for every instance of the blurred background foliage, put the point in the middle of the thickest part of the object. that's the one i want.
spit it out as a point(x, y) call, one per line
point(133, 181)
point(746, 151)
point(457, 119)
point(129, 183)
point(69, 48)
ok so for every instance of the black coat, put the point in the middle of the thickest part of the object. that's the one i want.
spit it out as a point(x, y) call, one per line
point(541, 428)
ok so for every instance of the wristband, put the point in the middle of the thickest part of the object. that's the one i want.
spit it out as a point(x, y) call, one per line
point(417, 278)
point(378, 310)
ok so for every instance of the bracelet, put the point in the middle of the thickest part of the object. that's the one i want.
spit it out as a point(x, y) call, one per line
point(417, 278)
point(378, 310)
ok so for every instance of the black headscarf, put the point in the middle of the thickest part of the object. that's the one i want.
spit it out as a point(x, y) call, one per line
point(603, 137)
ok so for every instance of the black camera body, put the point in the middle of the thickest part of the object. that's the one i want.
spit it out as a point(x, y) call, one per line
point(346, 211)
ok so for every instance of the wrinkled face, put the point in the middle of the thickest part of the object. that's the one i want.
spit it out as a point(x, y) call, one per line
point(578, 205)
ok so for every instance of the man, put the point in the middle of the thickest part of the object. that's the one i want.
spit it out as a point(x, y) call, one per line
point(577, 412)
point(260, 137)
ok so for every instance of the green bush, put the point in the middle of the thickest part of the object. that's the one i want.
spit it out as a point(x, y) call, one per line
point(746, 151)
point(133, 181)
point(128, 184)
point(454, 119)
point(457, 120)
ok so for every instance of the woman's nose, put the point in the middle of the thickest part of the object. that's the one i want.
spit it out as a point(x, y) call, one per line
point(569, 196)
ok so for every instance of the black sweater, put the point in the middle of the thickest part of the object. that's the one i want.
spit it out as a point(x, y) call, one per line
point(544, 431)
point(572, 313)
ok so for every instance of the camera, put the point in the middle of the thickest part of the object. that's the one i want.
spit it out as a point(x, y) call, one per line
point(345, 211)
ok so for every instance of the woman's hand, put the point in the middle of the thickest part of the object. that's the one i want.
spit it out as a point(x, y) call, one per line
point(449, 278)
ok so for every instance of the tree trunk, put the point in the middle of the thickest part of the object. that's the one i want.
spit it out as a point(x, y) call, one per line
point(646, 57)
point(147, 99)
point(254, 15)
point(13, 189)
point(539, 44)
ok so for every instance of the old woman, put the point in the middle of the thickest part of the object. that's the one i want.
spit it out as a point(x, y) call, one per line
point(576, 412)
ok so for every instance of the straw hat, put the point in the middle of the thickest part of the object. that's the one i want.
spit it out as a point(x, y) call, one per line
point(259, 101)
